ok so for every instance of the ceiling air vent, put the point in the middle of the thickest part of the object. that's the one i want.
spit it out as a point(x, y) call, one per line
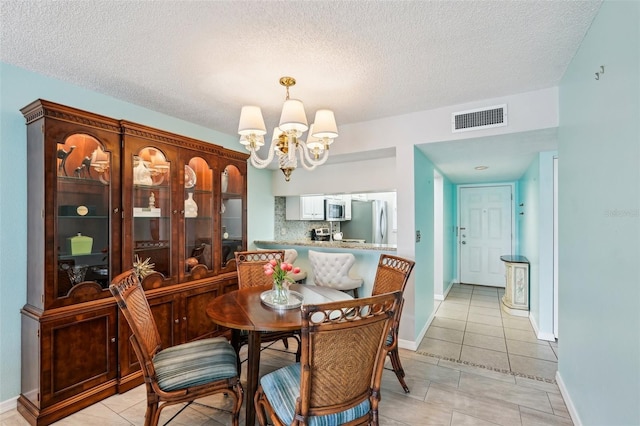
point(481, 118)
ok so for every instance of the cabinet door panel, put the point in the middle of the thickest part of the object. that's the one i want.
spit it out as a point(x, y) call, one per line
point(197, 323)
point(79, 352)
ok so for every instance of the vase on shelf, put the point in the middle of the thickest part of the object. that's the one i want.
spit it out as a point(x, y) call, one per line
point(190, 206)
point(280, 295)
point(225, 180)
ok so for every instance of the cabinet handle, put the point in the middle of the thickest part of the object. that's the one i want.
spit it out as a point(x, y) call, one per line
point(181, 211)
point(184, 318)
point(175, 211)
point(113, 340)
point(177, 321)
point(116, 210)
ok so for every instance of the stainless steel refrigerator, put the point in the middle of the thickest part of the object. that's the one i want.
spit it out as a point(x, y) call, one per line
point(368, 222)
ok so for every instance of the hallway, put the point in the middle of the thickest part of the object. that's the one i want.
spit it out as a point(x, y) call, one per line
point(470, 327)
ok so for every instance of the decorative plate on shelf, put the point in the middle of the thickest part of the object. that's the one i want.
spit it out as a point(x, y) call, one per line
point(189, 177)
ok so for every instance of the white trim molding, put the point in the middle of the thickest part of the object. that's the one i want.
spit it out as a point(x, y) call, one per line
point(8, 405)
point(567, 400)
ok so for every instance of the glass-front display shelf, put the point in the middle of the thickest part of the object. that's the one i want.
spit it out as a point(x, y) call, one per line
point(152, 209)
point(198, 213)
point(231, 212)
point(83, 208)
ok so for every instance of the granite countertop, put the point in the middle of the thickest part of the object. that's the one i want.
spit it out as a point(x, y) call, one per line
point(331, 244)
point(514, 259)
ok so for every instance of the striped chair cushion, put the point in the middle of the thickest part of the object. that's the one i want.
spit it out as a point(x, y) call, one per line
point(195, 363)
point(282, 387)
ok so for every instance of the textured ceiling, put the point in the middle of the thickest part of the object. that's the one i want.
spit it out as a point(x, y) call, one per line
point(202, 60)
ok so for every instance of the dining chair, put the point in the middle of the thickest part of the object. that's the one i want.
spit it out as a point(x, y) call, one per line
point(250, 265)
point(392, 275)
point(177, 374)
point(344, 345)
point(333, 270)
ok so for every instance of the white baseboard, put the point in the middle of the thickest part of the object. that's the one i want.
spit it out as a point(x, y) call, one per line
point(567, 400)
point(8, 405)
point(413, 345)
point(446, 293)
point(541, 336)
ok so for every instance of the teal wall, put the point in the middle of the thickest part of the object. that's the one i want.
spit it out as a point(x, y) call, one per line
point(599, 221)
point(535, 242)
point(17, 89)
point(424, 189)
point(449, 243)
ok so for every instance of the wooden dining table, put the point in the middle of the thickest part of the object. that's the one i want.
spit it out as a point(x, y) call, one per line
point(244, 310)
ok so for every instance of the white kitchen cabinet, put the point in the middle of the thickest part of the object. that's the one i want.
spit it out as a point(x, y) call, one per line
point(305, 208)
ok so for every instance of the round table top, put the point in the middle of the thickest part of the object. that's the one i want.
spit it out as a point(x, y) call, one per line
point(243, 309)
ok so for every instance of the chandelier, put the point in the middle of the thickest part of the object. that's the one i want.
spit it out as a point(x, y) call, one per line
point(286, 142)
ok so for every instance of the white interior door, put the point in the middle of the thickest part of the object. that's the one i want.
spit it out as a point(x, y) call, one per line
point(485, 233)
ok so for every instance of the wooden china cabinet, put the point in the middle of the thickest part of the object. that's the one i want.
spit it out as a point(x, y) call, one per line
point(102, 193)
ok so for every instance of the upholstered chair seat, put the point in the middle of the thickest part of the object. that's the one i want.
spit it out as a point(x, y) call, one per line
point(333, 270)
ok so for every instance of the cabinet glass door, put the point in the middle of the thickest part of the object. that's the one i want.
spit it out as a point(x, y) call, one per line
point(83, 206)
point(231, 214)
point(151, 225)
point(198, 217)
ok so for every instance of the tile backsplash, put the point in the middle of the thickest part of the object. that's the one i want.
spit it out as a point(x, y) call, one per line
point(292, 230)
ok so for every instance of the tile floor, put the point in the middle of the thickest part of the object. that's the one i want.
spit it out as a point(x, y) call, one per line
point(475, 366)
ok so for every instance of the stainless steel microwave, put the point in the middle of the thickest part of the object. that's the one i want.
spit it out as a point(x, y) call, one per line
point(334, 210)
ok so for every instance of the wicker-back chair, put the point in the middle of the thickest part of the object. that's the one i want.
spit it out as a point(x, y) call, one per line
point(180, 373)
point(392, 275)
point(344, 345)
point(250, 265)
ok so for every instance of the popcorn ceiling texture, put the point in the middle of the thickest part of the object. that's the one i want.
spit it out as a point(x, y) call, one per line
point(202, 60)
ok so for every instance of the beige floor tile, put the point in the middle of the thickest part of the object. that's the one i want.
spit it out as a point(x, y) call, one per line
point(404, 409)
point(533, 367)
point(510, 321)
point(484, 319)
point(123, 401)
point(457, 304)
point(485, 291)
point(534, 418)
point(486, 304)
point(440, 347)
point(549, 388)
point(532, 350)
point(484, 298)
point(452, 314)
point(522, 335)
point(447, 334)
point(12, 418)
point(498, 413)
point(486, 342)
point(449, 323)
point(500, 391)
point(455, 300)
point(487, 330)
point(485, 357)
point(484, 372)
point(558, 405)
point(481, 310)
point(460, 419)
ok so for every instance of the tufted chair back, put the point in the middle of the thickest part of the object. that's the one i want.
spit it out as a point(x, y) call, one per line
point(332, 270)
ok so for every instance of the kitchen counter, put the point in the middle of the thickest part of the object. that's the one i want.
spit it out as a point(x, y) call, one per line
point(329, 245)
point(367, 256)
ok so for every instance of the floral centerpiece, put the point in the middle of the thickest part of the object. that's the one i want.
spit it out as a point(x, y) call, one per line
point(279, 271)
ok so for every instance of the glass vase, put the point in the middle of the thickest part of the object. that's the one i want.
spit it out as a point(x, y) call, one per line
point(280, 293)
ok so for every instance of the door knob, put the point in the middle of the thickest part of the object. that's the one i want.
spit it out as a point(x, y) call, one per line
point(464, 242)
